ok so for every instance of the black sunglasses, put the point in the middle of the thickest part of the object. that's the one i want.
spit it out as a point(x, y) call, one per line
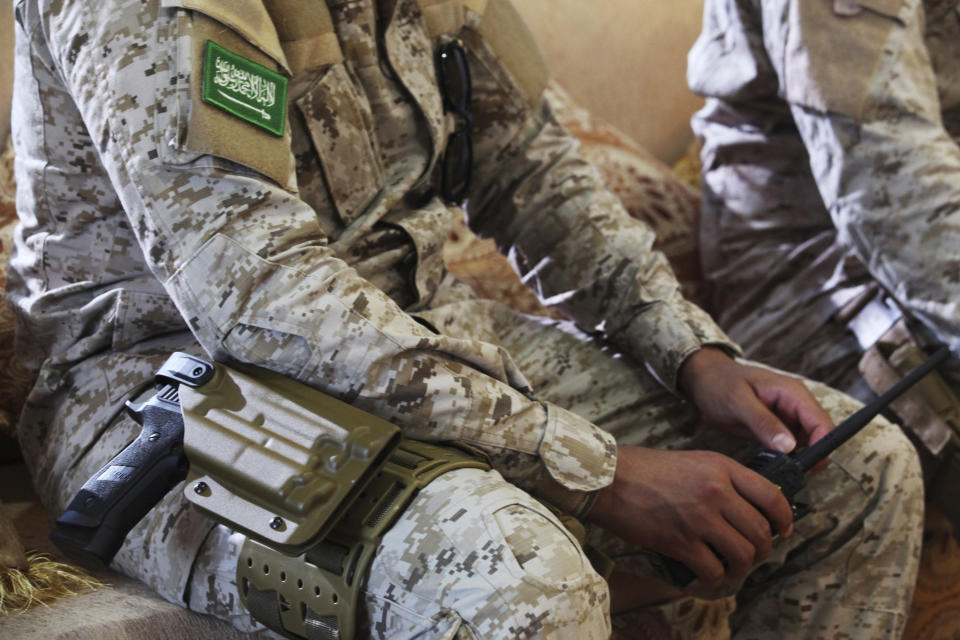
point(453, 74)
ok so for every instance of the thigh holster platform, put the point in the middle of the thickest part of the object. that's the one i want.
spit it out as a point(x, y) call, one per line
point(313, 483)
point(315, 595)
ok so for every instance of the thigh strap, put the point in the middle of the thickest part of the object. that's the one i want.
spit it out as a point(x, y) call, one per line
point(315, 595)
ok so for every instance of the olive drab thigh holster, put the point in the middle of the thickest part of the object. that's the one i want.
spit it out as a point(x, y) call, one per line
point(312, 482)
point(315, 595)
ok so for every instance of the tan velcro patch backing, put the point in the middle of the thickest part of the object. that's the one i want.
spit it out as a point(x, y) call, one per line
point(211, 130)
point(443, 17)
point(508, 35)
point(815, 75)
point(249, 18)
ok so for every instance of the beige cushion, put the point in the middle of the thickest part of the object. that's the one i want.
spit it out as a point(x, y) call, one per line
point(6, 65)
point(625, 61)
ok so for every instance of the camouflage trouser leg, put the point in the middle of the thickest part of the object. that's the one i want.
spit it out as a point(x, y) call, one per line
point(213, 582)
point(471, 557)
point(475, 557)
point(849, 568)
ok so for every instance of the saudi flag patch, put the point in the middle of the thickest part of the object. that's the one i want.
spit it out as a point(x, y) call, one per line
point(243, 88)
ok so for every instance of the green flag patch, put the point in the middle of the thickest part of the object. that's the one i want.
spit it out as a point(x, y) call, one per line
point(244, 88)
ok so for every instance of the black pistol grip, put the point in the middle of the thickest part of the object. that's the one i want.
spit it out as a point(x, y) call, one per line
point(115, 498)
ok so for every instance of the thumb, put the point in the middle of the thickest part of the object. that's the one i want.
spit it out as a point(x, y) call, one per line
point(767, 428)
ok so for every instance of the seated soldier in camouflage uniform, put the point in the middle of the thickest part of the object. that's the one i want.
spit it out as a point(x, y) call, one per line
point(294, 220)
point(831, 209)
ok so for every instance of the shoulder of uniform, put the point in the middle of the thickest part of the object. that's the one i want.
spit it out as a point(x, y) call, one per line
point(814, 76)
point(503, 29)
point(249, 18)
point(506, 33)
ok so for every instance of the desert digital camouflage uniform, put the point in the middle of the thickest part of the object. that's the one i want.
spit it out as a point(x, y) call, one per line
point(152, 221)
point(830, 163)
point(831, 172)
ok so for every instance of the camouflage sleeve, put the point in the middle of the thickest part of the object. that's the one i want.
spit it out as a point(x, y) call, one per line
point(249, 269)
point(570, 238)
point(766, 241)
point(888, 169)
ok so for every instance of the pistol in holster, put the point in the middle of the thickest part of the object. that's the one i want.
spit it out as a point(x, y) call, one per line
point(313, 483)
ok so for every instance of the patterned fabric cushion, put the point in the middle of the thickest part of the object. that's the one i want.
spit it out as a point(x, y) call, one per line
point(13, 378)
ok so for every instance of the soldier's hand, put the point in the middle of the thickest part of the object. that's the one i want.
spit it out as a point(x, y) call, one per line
point(695, 506)
point(748, 401)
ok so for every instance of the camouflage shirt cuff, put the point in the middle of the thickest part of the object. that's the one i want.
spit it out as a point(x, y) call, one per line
point(574, 503)
point(665, 335)
point(579, 457)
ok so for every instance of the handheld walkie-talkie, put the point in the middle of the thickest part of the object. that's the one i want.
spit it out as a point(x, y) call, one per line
point(789, 470)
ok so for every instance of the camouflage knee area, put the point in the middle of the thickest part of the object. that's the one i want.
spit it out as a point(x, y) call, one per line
point(885, 465)
point(213, 582)
point(475, 557)
point(852, 562)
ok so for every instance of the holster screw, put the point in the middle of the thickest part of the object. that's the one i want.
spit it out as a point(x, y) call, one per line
point(200, 488)
point(277, 523)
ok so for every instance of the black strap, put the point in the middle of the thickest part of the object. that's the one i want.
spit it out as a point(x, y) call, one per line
point(264, 606)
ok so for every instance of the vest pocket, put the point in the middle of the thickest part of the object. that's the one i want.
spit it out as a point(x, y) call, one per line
point(340, 123)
